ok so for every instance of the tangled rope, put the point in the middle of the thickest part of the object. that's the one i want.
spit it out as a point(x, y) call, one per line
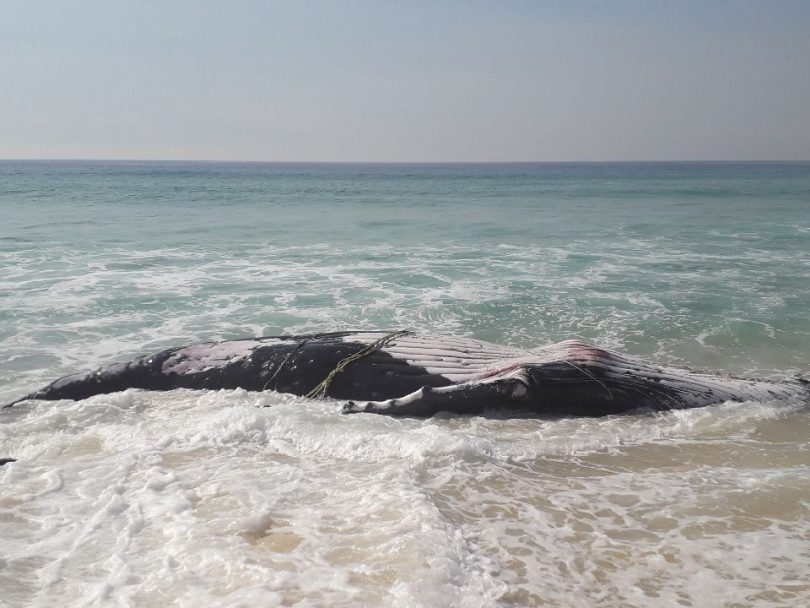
point(320, 390)
point(280, 367)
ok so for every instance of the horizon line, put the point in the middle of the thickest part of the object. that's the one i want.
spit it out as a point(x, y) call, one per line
point(399, 162)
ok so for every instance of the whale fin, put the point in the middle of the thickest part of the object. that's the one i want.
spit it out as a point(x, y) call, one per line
point(466, 398)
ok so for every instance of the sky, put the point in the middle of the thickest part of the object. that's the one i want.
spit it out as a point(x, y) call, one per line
point(417, 80)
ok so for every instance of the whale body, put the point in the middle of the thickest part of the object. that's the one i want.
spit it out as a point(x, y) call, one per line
point(411, 374)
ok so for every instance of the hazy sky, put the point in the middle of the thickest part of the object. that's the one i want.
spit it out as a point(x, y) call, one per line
point(413, 80)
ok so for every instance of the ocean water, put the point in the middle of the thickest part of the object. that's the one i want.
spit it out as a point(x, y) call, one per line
point(207, 498)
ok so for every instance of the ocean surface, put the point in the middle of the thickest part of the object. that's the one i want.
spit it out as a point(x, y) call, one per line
point(210, 499)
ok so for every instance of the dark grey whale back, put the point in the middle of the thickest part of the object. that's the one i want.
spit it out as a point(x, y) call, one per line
point(294, 364)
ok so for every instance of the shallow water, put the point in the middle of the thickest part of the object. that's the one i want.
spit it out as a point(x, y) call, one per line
point(209, 498)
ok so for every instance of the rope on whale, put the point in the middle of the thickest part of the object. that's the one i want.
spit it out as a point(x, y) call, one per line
point(320, 389)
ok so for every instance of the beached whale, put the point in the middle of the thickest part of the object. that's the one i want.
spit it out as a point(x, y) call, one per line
point(405, 373)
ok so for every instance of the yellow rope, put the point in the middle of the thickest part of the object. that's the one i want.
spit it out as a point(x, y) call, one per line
point(320, 390)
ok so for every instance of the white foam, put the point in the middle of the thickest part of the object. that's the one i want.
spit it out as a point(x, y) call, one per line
point(207, 497)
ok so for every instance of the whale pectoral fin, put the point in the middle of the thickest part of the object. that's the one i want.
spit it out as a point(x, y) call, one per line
point(467, 398)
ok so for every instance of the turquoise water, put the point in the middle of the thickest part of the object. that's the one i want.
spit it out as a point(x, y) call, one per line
point(700, 264)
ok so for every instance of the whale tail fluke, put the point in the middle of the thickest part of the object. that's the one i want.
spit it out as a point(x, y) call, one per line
point(15, 402)
point(139, 373)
